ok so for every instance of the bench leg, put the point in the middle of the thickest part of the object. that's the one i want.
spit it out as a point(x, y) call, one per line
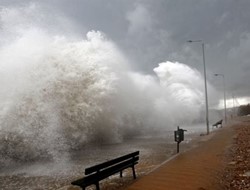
point(120, 173)
point(133, 168)
point(83, 187)
point(97, 186)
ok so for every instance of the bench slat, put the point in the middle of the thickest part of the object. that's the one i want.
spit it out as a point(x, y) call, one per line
point(109, 163)
point(217, 123)
point(91, 179)
point(101, 171)
point(117, 168)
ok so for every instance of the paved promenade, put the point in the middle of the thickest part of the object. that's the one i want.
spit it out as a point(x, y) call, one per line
point(196, 169)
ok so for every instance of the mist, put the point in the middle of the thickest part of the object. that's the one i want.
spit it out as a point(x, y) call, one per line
point(60, 91)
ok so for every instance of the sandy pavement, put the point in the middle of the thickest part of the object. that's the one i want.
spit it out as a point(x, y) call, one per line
point(200, 168)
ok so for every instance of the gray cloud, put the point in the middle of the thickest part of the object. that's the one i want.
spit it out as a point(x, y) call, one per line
point(139, 20)
point(152, 31)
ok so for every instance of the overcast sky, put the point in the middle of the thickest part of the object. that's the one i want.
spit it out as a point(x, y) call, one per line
point(152, 31)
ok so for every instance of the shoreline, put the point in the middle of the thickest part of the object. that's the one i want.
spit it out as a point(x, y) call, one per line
point(155, 154)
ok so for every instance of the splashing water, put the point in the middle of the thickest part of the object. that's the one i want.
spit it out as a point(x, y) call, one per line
point(58, 93)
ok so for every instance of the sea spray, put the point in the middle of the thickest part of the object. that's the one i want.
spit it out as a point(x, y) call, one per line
point(60, 93)
point(60, 97)
point(183, 90)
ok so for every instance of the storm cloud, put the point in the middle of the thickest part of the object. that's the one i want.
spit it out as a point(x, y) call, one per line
point(152, 31)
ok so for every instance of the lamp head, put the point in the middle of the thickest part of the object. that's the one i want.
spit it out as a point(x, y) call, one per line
point(190, 41)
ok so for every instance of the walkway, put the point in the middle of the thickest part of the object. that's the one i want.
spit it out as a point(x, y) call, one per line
point(196, 169)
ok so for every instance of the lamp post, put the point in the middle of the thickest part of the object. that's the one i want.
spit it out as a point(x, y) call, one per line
point(224, 89)
point(205, 79)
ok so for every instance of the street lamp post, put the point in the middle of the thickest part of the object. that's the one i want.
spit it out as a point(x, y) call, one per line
point(224, 89)
point(205, 80)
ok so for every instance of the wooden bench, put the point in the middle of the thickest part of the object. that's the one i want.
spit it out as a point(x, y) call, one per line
point(218, 123)
point(101, 171)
